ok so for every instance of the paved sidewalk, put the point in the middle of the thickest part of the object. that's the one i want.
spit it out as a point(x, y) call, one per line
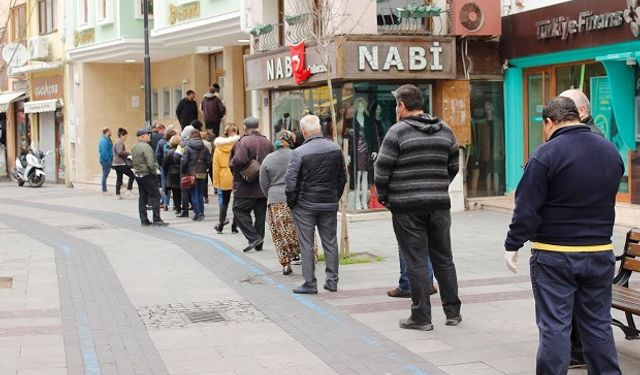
point(132, 291)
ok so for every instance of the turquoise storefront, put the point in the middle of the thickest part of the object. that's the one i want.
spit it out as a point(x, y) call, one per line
point(583, 44)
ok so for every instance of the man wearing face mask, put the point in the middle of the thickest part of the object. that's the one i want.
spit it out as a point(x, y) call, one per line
point(565, 205)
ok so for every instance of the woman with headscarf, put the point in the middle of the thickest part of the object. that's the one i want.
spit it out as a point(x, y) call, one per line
point(272, 182)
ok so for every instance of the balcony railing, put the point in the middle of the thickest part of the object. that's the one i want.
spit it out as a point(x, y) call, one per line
point(300, 27)
point(266, 37)
point(407, 17)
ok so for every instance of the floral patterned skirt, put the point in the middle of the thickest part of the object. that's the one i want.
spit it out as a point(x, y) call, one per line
point(283, 232)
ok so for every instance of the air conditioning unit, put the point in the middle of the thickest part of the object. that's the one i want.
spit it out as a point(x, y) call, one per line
point(475, 17)
point(38, 48)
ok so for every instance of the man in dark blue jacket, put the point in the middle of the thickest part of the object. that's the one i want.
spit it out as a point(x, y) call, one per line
point(315, 180)
point(565, 204)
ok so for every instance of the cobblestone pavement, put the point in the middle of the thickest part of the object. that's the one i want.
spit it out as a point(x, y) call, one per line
point(85, 290)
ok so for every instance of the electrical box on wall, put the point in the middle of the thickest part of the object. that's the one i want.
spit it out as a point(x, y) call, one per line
point(38, 48)
point(475, 17)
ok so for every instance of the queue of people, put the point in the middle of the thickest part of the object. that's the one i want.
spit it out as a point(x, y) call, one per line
point(296, 183)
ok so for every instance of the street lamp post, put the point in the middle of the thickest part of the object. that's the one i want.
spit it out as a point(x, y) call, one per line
point(147, 65)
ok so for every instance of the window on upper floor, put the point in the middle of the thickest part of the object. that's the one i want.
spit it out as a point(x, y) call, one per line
point(103, 11)
point(140, 10)
point(18, 23)
point(47, 15)
point(83, 12)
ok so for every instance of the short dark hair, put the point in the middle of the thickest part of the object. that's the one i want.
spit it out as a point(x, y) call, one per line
point(196, 124)
point(170, 133)
point(189, 92)
point(410, 95)
point(122, 132)
point(561, 109)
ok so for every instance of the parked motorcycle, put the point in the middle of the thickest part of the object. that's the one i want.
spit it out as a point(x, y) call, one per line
point(30, 168)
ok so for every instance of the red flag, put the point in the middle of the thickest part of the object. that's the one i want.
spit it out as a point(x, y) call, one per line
point(300, 73)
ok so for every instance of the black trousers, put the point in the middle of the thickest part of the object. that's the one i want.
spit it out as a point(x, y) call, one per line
point(242, 208)
point(185, 198)
point(149, 192)
point(213, 126)
point(120, 171)
point(424, 235)
point(177, 198)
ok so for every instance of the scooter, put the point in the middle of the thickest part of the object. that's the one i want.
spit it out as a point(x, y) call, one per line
point(30, 168)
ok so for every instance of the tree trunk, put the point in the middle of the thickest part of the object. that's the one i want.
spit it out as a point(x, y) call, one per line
point(344, 239)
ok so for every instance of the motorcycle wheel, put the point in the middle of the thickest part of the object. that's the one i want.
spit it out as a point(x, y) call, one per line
point(36, 180)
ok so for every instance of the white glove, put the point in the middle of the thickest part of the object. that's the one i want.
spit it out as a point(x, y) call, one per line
point(512, 258)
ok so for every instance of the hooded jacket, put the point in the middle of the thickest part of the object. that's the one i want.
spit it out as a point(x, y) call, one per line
point(417, 161)
point(212, 107)
point(222, 176)
point(196, 159)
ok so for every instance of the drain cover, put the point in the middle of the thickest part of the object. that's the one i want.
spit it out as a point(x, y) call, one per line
point(204, 316)
point(6, 282)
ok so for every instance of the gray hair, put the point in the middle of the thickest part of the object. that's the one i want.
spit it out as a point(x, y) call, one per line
point(579, 98)
point(310, 124)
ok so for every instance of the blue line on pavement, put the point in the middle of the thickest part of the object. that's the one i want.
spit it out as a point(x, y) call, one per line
point(300, 298)
point(89, 356)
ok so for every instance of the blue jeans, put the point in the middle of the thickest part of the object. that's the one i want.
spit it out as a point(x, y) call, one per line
point(163, 189)
point(220, 197)
point(106, 168)
point(197, 200)
point(577, 285)
point(403, 282)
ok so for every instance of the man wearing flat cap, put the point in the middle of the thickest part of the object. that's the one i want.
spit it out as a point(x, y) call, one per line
point(248, 195)
point(146, 167)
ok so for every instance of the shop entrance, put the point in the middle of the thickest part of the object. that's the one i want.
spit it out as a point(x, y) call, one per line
point(538, 91)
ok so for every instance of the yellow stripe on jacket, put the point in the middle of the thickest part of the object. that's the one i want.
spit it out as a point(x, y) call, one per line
point(571, 248)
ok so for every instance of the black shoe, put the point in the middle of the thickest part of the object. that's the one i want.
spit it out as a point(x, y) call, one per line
point(183, 214)
point(410, 324)
point(218, 228)
point(146, 223)
point(259, 247)
point(577, 363)
point(253, 245)
point(453, 321)
point(160, 224)
point(305, 290)
point(329, 288)
point(206, 200)
point(286, 270)
point(234, 230)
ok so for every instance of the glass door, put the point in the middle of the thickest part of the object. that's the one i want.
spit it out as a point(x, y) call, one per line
point(537, 92)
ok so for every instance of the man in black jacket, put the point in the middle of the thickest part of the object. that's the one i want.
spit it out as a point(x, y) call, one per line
point(187, 109)
point(315, 180)
point(565, 205)
point(417, 161)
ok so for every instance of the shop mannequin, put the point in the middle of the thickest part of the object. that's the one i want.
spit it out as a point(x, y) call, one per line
point(361, 118)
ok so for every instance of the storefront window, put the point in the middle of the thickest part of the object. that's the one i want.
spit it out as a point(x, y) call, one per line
point(22, 124)
point(486, 166)
point(290, 106)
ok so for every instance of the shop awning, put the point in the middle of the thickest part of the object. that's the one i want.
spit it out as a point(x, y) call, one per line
point(42, 106)
point(9, 97)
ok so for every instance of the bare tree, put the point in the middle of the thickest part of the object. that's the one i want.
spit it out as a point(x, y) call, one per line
point(323, 22)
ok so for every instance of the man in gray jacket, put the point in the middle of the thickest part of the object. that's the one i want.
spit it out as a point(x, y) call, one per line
point(315, 180)
point(416, 163)
point(146, 167)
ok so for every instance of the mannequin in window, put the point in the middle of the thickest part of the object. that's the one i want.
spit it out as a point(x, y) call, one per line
point(362, 124)
point(286, 123)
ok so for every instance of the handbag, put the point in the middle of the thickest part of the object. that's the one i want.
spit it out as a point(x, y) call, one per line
point(187, 182)
point(251, 171)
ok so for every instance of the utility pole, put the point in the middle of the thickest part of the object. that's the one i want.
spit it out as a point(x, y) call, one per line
point(147, 65)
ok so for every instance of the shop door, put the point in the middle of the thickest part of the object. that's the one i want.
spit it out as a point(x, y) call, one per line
point(537, 92)
point(48, 143)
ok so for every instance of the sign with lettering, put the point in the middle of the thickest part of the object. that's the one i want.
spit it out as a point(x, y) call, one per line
point(569, 25)
point(45, 88)
point(427, 58)
point(183, 12)
point(84, 37)
point(358, 57)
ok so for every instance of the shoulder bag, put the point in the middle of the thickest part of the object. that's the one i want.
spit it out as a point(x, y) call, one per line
point(187, 182)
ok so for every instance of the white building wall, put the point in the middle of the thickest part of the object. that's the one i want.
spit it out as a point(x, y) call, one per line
point(517, 6)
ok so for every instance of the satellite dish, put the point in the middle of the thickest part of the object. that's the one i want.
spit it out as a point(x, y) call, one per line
point(15, 54)
point(471, 17)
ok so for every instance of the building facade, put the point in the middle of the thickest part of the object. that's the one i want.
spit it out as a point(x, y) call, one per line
point(385, 46)
point(192, 45)
point(583, 44)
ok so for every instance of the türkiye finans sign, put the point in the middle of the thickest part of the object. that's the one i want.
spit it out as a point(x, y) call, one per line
point(586, 21)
